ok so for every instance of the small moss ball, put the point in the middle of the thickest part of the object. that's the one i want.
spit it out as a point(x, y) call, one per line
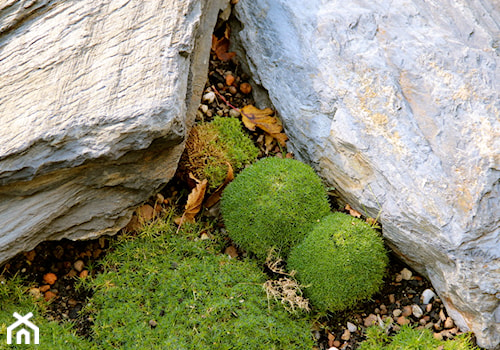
point(273, 203)
point(341, 262)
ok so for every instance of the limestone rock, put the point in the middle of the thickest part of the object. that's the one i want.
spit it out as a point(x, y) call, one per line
point(96, 98)
point(397, 106)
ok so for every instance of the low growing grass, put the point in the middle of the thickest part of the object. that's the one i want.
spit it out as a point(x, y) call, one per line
point(409, 338)
point(164, 290)
point(14, 298)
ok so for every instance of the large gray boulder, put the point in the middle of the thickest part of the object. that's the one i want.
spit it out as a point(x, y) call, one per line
point(96, 98)
point(397, 105)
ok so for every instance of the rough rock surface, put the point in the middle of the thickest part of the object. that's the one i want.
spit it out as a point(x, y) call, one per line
point(397, 105)
point(96, 98)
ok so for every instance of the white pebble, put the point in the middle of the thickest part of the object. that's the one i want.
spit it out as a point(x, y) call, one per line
point(427, 296)
point(209, 97)
point(204, 108)
point(351, 327)
point(406, 274)
point(417, 311)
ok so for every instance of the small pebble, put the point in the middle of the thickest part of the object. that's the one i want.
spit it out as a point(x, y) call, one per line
point(407, 310)
point(78, 265)
point(49, 295)
point(209, 114)
point(351, 327)
point(233, 113)
point(44, 288)
point(50, 278)
point(229, 78)
point(84, 274)
point(396, 312)
point(398, 278)
point(346, 336)
point(428, 308)
point(448, 323)
point(153, 323)
point(406, 274)
point(370, 320)
point(402, 320)
point(427, 296)
point(383, 309)
point(233, 90)
point(442, 316)
point(392, 298)
point(416, 311)
point(35, 293)
point(204, 108)
point(246, 88)
point(336, 344)
point(209, 97)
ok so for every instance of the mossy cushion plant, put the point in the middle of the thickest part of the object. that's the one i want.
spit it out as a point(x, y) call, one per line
point(273, 203)
point(341, 261)
point(409, 338)
point(212, 146)
point(170, 291)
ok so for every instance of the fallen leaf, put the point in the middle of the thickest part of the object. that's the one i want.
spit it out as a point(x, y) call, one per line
point(194, 201)
point(268, 143)
point(220, 47)
point(216, 196)
point(352, 211)
point(252, 118)
point(145, 213)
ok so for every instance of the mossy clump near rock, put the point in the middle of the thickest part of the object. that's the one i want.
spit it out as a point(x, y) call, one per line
point(341, 261)
point(210, 147)
point(273, 203)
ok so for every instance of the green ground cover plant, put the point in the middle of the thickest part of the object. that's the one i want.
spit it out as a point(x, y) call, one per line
point(273, 203)
point(53, 335)
point(341, 262)
point(163, 290)
point(409, 338)
point(212, 146)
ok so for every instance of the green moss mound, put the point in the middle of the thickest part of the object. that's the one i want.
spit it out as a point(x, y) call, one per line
point(172, 292)
point(409, 338)
point(273, 203)
point(341, 261)
point(212, 146)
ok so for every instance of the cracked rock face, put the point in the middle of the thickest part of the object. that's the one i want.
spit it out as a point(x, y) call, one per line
point(96, 98)
point(397, 105)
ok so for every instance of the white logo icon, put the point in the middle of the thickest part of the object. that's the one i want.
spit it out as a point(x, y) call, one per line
point(23, 332)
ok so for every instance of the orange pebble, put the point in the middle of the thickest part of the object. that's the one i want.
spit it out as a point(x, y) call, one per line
point(50, 278)
point(229, 79)
point(245, 88)
point(84, 273)
point(49, 295)
point(44, 288)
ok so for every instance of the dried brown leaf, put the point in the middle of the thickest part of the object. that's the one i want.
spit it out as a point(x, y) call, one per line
point(352, 212)
point(253, 117)
point(220, 47)
point(194, 201)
